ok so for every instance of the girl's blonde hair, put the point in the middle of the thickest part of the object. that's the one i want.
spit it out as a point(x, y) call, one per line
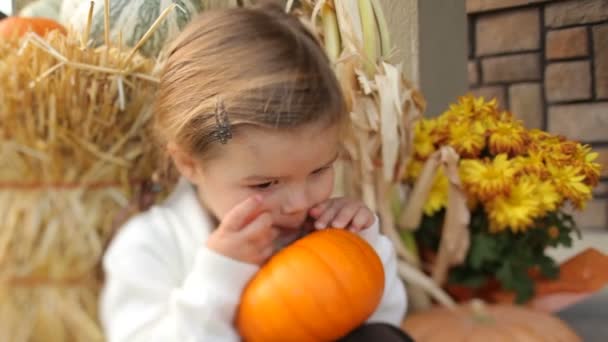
point(261, 64)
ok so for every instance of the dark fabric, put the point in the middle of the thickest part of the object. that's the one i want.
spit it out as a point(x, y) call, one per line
point(377, 332)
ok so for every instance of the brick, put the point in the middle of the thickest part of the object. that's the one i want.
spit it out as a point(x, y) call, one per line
point(522, 67)
point(602, 159)
point(490, 92)
point(600, 47)
point(473, 73)
point(593, 216)
point(566, 81)
point(525, 102)
point(475, 6)
point(584, 122)
point(567, 43)
point(510, 31)
point(601, 190)
point(575, 12)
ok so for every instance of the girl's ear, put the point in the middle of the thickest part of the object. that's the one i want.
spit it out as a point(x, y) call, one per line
point(187, 165)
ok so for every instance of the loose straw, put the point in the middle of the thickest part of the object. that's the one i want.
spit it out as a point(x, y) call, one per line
point(84, 38)
point(149, 33)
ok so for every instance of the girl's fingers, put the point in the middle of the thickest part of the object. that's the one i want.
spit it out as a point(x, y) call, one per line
point(328, 215)
point(319, 209)
point(265, 254)
point(345, 215)
point(239, 216)
point(260, 227)
point(362, 220)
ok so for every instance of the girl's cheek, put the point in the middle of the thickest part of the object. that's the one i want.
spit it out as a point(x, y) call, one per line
point(322, 188)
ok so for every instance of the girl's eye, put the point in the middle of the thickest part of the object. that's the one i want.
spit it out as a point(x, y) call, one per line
point(263, 186)
point(321, 170)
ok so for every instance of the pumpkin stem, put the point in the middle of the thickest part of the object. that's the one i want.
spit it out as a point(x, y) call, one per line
point(479, 312)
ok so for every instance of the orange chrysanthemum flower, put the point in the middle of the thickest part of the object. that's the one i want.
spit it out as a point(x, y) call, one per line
point(509, 138)
point(468, 139)
point(488, 179)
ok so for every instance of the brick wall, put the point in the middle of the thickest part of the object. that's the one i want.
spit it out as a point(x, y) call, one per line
point(547, 61)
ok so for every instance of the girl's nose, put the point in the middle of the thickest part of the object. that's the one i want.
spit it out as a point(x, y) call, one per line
point(295, 202)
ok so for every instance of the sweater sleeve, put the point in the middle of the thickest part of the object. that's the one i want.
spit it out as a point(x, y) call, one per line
point(393, 304)
point(144, 299)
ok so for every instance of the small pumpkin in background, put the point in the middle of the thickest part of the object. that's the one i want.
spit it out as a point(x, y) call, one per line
point(319, 288)
point(476, 321)
point(12, 27)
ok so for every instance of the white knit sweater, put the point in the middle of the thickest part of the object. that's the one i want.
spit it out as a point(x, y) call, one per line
point(163, 284)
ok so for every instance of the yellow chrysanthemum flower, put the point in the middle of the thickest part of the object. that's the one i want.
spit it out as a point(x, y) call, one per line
point(507, 137)
point(545, 192)
point(467, 138)
point(423, 141)
point(441, 130)
point(490, 121)
point(543, 141)
point(532, 164)
point(438, 196)
point(413, 170)
point(470, 107)
point(487, 180)
point(569, 182)
point(560, 153)
point(516, 211)
point(586, 160)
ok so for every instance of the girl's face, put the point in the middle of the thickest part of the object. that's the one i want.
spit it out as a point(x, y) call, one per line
point(292, 170)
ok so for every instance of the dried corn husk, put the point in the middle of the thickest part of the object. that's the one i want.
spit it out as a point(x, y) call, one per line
point(74, 147)
point(454, 243)
point(383, 107)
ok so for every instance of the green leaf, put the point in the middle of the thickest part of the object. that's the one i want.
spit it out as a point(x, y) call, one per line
point(515, 278)
point(470, 280)
point(548, 267)
point(484, 249)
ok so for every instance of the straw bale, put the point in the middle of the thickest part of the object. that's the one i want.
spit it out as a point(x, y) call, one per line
point(74, 150)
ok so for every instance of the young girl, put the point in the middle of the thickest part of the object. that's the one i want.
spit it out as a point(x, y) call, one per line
point(249, 112)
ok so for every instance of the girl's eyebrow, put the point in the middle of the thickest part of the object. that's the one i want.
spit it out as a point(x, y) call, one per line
point(259, 178)
point(253, 178)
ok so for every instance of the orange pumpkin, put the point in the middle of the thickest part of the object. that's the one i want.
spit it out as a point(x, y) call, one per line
point(477, 322)
point(579, 276)
point(319, 288)
point(17, 26)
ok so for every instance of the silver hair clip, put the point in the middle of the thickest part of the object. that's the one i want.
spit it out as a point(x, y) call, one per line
point(223, 131)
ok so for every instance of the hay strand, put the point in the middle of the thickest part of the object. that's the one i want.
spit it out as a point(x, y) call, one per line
point(106, 23)
point(150, 32)
point(84, 41)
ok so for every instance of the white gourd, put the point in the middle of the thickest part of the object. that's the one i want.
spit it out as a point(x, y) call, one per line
point(132, 18)
point(42, 8)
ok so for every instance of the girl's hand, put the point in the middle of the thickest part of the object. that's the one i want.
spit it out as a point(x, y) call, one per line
point(246, 233)
point(342, 213)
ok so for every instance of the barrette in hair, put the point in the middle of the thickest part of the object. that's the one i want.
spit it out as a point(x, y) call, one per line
point(223, 131)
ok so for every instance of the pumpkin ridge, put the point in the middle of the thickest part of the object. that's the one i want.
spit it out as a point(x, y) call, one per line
point(344, 236)
point(369, 252)
point(316, 255)
point(258, 321)
point(304, 328)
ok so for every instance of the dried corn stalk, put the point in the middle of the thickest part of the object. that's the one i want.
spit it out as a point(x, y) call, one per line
point(383, 109)
point(74, 147)
point(454, 243)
